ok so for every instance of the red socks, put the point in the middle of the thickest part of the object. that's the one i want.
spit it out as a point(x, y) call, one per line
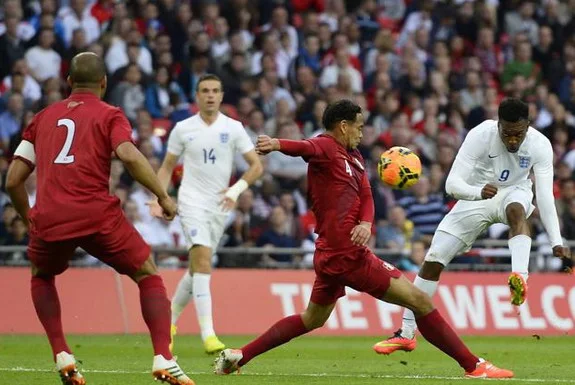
point(438, 332)
point(156, 312)
point(153, 299)
point(47, 305)
point(280, 333)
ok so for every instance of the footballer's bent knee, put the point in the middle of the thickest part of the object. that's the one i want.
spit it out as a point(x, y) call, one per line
point(515, 213)
point(148, 268)
point(313, 321)
point(431, 270)
point(201, 259)
point(422, 303)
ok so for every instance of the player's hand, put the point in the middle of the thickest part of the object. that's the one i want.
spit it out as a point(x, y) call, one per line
point(564, 253)
point(169, 208)
point(226, 203)
point(155, 209)
point(361, 233)
point(488, 191)
point(265, 145)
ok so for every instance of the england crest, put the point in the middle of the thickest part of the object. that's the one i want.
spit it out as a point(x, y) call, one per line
point(224, 137)
point(524, 161)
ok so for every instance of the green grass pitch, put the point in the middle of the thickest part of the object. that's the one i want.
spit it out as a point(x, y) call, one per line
point(127, 359)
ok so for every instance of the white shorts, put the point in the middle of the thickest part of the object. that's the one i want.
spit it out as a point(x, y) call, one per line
point(468, 219)
point(202, 227)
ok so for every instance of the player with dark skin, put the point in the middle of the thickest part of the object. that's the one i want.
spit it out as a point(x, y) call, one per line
point(512, 134)
point(341, 200)
point(106, 234)
point(491, 177)
point(87, 75)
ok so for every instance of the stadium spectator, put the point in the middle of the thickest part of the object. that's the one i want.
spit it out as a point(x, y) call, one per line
point(423, 209)
point(427, 72)
point(277, 236)
point(415, 260)
point(12, 46)
point(11, 119)
point(44, 62)
point(398, 234)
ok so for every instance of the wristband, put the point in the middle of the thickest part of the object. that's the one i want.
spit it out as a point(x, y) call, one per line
point(234, 191)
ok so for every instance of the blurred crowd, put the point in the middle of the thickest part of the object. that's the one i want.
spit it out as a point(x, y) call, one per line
point(425, 72)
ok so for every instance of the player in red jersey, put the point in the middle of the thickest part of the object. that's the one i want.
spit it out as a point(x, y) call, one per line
point(70, 144)
point(341, 199)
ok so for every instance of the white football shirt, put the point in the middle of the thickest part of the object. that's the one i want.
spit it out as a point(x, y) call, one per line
point(483, 159)
point(208, 158)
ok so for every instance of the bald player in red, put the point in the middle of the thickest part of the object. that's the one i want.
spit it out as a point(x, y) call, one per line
point(70, 144)
point(340, 196)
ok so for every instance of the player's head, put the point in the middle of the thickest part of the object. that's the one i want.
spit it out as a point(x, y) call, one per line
point(345, 120)
point(209, 93)
point(513, 123)
point(87, 70)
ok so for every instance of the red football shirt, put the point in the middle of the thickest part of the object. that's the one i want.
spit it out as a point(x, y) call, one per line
point(73, 142)
point(339, 191)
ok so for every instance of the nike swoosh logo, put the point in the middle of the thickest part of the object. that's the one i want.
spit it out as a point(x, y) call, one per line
point(494, 156)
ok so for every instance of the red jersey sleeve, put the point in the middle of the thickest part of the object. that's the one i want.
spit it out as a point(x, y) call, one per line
point(303, 148)
point(120, 129)
point(29, 133)
point(367, 208)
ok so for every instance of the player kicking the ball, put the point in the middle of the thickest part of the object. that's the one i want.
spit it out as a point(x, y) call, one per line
point(340, 194)
point(208, 142)
point(70, 144)
point(490, 177)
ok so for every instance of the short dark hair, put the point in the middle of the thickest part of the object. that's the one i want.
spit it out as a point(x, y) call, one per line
point(206, 77)
point(341, 110)
point(513, 110)
point(86, 69)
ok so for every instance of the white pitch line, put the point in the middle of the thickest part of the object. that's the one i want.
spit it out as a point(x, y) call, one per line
point(327, 375)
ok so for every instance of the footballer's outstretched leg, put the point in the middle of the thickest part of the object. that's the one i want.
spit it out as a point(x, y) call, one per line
point(228, 361)
point(315, 315)
point(444, 247)
point(437, 331)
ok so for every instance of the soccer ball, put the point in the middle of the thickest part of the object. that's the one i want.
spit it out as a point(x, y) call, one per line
point(399, 168)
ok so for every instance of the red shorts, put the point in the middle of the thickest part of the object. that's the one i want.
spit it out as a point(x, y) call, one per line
point(120, 246)
point(359, 269)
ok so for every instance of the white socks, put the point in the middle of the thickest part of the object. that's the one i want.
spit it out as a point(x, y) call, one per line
point(409, 326)
point(520, 247)
point(203, 301)
point(182, 296)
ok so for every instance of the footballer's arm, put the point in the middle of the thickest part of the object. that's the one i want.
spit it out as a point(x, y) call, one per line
point(18, 172)
point(303, 148)
point(456, 185)
point(543, 171)
point(140, 169)
point(254, 171)
point(20, 169)
point(361, 233)
point(469, 153)
point(167, 168)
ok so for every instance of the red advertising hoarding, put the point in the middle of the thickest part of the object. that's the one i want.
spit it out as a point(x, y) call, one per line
point(249, 301)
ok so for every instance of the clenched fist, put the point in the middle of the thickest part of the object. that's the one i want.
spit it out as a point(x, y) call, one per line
point(265, 145)
point(488, 191)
